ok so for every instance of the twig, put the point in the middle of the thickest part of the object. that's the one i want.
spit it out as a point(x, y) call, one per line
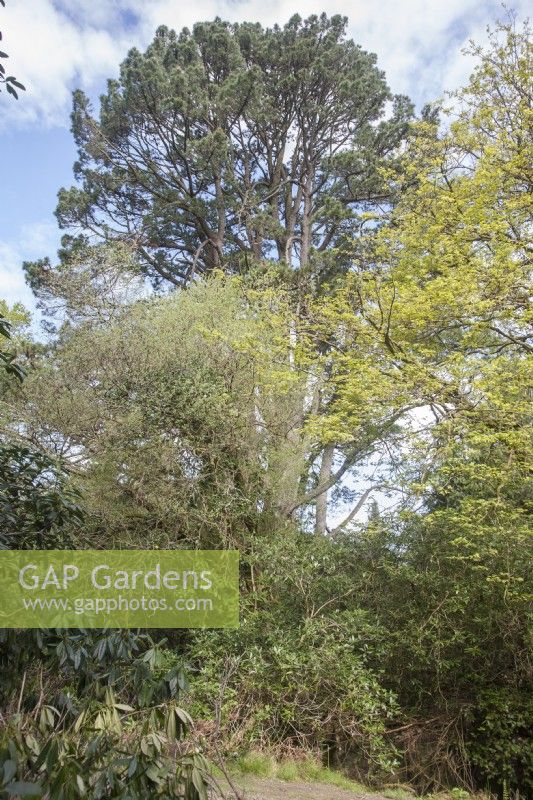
point(23, 684)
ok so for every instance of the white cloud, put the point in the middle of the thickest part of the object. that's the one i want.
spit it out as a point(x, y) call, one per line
point(51, 55)
point(38, 238)
point(57, 45)
point(14, 289)
point(33, 241)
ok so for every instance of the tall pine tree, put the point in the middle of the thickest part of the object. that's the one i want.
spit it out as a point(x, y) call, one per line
point(233, 144)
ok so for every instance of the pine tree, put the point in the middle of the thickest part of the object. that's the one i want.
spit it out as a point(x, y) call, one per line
point(233, 144)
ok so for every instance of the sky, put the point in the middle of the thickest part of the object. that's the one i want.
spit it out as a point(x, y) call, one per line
point(55, 46)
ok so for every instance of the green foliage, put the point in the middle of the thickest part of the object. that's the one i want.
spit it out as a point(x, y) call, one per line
point(161, 409)
point(263, 143)
point(436, 318)
point(500, 740)
point(302, 671)
point(243, 411)
point(35, 501)
point(93, 286)
point(7, 359)
point(114, 728)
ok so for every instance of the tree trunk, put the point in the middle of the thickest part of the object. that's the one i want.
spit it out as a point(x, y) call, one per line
point(321, 515)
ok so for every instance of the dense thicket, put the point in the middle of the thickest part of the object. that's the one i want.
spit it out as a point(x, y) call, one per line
point(240, 413)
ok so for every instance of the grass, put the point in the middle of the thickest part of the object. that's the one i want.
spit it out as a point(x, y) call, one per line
point(255, 763)
point(263, 765)
point(313, 771)
point(288, 771)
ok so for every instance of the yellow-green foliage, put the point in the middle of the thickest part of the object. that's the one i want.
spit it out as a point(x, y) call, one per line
point(440, 307)
point(171, 414)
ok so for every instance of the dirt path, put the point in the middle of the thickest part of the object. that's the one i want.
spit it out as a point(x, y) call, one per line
point(275, 789)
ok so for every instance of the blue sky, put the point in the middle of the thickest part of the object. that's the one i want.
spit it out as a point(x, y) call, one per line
point(58, 45)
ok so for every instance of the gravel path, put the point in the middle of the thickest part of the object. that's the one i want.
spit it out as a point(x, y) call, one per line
point(275, 789)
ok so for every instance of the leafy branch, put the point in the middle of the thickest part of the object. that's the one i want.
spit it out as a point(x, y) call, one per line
point(10, 82)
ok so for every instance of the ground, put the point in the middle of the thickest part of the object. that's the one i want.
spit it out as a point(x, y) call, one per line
point(254, 788)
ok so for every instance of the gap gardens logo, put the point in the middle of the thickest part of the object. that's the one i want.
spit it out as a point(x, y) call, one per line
point(119, 589)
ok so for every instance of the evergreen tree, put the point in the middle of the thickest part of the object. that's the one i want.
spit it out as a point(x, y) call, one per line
point(230, 144)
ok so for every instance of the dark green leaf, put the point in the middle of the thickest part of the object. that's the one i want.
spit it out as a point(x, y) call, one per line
point(23, 789)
